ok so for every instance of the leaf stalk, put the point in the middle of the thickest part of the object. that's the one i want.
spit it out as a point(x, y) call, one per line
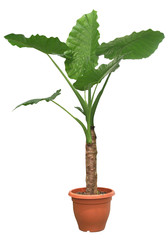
point(81, 123)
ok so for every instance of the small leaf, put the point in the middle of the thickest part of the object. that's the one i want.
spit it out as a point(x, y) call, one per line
point(94, 76)
point(80, 109)
point(135, 46)
point(46, 45)
point(83, 42)
point(35, 101)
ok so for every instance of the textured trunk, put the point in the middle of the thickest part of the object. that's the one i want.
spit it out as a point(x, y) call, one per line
point(91, 165)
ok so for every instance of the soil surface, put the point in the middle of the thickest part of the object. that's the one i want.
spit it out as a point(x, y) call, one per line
point(98, 193)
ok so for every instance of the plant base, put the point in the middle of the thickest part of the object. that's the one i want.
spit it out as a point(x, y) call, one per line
point(91, 211)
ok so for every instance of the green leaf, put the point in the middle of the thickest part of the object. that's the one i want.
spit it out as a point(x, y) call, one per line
point(34, 101)
point(46, 45)
point(83, 42)
point(94, 76)
point(135, 46)
point(80, 109)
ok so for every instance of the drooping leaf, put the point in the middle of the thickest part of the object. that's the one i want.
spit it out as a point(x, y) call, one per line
point(135, 46)
point(83, 42)
point(94, 76)
point(46, 45)
point(35, 101)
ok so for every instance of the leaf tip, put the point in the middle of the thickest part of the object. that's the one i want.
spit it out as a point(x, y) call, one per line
point(6, 36)
point(14, 109)
point(94, 11)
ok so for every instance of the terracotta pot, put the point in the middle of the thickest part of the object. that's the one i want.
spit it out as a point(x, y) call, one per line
point(91, 211)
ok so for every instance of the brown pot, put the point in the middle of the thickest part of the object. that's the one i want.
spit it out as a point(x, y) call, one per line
point(91, 211)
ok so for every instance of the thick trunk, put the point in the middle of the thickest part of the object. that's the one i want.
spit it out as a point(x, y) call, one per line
point(91, 165)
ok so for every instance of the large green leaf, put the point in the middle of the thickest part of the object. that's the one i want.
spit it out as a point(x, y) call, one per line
point(94, 76)
point(83, 42)
point(135, 46)
point(34, 101)
point(46, 45)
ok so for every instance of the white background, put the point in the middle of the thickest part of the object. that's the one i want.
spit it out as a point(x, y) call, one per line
point(42, 150)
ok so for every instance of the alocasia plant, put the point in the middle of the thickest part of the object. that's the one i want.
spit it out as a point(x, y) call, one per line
point(81, 52)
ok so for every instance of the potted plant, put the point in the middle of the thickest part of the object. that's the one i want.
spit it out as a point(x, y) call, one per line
point(81, 52)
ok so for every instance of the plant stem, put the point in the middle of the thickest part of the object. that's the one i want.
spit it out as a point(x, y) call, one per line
point(94, 92)
point(89, 97)
point(81, 100)
point(94, 106)
point(88, 117)
point(63, 109)
point(85, 96)
point(82, 125)
point(86, 107)
point(59, 69)
point(91, 165)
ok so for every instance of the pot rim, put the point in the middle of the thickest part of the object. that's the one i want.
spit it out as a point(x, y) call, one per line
point(109, 193)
